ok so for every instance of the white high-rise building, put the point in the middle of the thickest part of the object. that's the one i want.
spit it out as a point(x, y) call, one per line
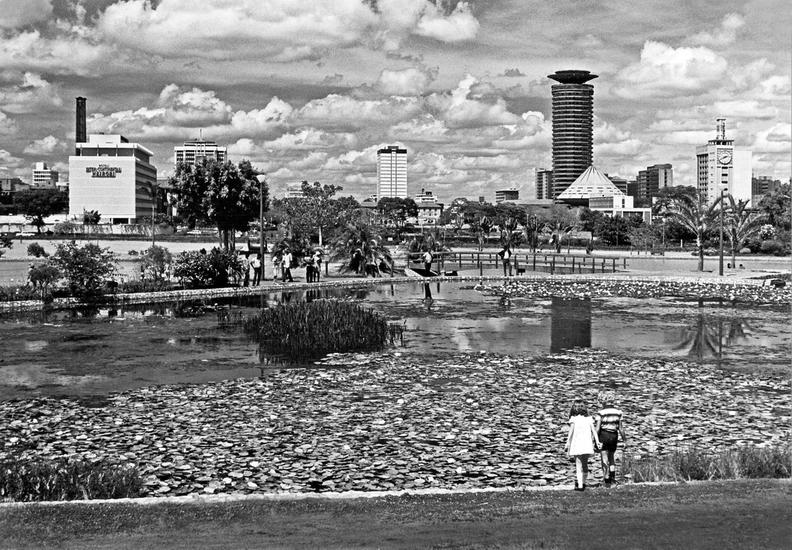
point(112, 176)
point(392, 172)
point(722, 166)
point(43, 176)
point(193, 152)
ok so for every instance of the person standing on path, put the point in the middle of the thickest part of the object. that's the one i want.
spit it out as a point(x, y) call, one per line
point(427, 260)
point(582, 441)
point(610, 424)
point(506, 255)
point(246, 270)
point(255, 263)
point(287, 262)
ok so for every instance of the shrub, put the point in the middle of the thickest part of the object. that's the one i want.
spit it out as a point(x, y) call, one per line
point(693, 463)
point(132, 253)
point(772, 247)
point(66, 228)
point(36, 250)
point(67, 479)
point(309, 330)
point(155, 263)
point(215, 269)
point(41, 277)
point(129, 287)
point(85, 268)
point(745, 250)
point(18, 293)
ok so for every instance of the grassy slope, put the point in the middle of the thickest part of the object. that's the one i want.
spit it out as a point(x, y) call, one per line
point(737, 514)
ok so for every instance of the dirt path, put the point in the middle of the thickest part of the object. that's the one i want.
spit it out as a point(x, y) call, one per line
point(737, 514)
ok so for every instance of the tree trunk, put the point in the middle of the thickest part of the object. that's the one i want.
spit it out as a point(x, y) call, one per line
point(700, 245)
point(320, 236)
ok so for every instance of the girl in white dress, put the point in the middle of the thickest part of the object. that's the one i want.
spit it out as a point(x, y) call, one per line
point(582, 441)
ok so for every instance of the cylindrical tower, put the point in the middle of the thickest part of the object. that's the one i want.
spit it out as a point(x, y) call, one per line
point(573, 121)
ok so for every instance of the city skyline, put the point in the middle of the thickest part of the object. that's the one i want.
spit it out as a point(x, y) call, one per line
point(311, 92)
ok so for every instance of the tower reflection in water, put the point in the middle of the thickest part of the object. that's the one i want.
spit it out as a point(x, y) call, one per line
point(570, 323)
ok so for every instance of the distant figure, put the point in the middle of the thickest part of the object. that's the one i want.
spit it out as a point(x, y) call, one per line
point(310, 268)
point(728, 265)
point(317, 258)
point(246, 270)
point(609, 427)
point(357, 262)
point(582, 441)
point(506, 255)
point(287, 262)
point(427, 260)
point(742, 266)
point(255, 263)
point(277, 263)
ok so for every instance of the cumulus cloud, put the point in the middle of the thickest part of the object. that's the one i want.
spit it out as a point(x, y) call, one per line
point(723, 35)
point(16, 13)
point(7, 125)
point(64, 54)
point(776, 139)
point(277, 30)
point(405, 82)
point(664, 71)
point(458, 111)
point(515, 72)
point(344, 112)
point(8, 160)
point(745, 108)
point(32, 94)
point(45, 146)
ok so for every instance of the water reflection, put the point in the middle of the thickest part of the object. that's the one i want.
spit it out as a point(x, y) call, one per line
point(570, 325)
point(708, 336)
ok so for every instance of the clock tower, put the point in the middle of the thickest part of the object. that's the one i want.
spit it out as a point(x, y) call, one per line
point(721, 166)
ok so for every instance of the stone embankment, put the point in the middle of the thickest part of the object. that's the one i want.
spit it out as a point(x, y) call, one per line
point(380, 422)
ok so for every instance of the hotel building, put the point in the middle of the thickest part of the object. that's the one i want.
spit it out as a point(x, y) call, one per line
point(112, 176)
point(392, 172)
point(193, 152)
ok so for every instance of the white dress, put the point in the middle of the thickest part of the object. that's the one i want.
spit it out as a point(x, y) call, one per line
point(581, 436)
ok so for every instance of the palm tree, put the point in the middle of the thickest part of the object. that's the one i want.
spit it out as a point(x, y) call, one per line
point(695, 216)
point(358, 245)
point(741, 223)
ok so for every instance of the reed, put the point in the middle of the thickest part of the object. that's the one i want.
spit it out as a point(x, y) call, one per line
point(310, 330)
point(693, 463)
point(26, 480)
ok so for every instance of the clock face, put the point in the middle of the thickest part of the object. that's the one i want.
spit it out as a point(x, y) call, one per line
point(725, 157)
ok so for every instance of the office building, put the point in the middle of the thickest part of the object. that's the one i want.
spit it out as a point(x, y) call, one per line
point(544, 184)
point(294, 191)
point(112, 176)
point(429, 210)
point(723, 167)
point(761, 186)
point(44, 176)
point(653, 179)
point(573, 123)
point(392, 172)
point(193, 152)
point(620, 183)
point(507, 195)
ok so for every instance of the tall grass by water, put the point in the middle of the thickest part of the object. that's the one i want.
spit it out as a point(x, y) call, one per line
point(25, 480)
point(310, 330)
point(694, 463)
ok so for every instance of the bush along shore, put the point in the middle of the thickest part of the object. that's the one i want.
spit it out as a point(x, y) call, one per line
point(541, 286)
point(379, 422)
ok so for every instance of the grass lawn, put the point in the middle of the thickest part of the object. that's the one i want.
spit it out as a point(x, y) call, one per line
point(731, 514)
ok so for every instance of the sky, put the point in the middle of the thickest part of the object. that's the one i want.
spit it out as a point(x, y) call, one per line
point(311, 90)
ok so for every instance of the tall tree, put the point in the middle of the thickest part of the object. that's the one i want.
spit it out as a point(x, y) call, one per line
point(777, 205)
point(397, 211)
point(741, 224)
point(316, 211)
point(37, 204)
point(221, 194)
point(697, 217)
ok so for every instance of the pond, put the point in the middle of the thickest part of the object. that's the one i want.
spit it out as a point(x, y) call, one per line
point(93, 353)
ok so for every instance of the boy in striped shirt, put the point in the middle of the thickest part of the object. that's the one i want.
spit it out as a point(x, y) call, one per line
point(609, 425)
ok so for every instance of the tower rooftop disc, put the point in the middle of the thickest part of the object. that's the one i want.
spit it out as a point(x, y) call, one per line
point(572, 77)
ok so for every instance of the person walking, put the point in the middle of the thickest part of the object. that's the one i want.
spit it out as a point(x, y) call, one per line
point(609, 425)
point(286, 267)
point(317, 258)
point(255, 264)
point(582, 441)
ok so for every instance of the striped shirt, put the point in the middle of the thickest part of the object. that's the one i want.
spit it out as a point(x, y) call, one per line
point(610, 419)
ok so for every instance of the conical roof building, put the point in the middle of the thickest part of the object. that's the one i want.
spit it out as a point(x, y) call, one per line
point(591, 183)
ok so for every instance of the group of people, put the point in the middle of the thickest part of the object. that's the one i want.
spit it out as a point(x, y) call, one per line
point(595, 435)
point(282, 261)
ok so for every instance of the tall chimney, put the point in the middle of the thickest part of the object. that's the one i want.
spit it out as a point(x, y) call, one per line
point(80, 128)
point(721, 128)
